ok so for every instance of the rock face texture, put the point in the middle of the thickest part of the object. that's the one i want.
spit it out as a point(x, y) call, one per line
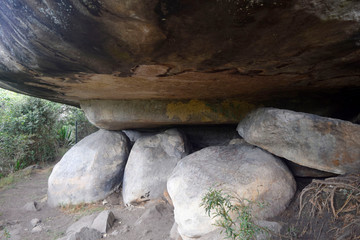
point(325, 144)
point(114, 115)
point(151, 161)
point(246, 171)
point(90, 170)
point(289, 54)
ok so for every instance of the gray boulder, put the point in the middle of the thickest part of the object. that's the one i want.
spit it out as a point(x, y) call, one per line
point(83, 222)
point(104, 221)
point(326, 144)
point(150, 163)
point(245, 171)
point(90, 170)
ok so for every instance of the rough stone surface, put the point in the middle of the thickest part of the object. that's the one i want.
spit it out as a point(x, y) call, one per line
point(36, 229)
point(90, 170)
point(325, 144)
point(150, 163)
point(85, 234)
point(154, 213)
point(247, 171)
point(292, 52)
point(83, 222)
point(274, 227)
point(104, 221)
point(31, 207)
point(35, 221)
point(124, 114)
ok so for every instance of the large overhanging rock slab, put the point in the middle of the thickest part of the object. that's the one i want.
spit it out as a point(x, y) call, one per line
point(115, 115)
point(321, 143)
point(75, 50)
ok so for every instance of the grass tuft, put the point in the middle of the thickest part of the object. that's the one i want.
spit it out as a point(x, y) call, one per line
point(82, 209)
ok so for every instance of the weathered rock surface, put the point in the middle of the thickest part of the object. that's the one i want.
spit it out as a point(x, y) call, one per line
point(247, 171)
point(325, 144)
point(83, 222)
point(90, 227)
point(84, 234)
point(104, 221)
point(31, 207)
point(150, 163)
point(34, 222)
point(36, 229)
point(292, 52)
point(124, 114)
point(90, 170)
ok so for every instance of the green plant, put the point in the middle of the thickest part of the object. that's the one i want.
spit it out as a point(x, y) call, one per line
point(64, 136)
point(33, 130)
point(7, 234)
point(232, 214)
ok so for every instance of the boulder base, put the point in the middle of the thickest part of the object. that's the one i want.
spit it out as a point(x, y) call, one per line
point(151, 161)
point(90, 170)
point(242, 170)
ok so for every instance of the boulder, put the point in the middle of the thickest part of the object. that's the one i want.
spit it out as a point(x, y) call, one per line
point(84, 234)
point(34, 222)
point(150, 163)
point(326, 144)
point(36, 229)
point(90, 227)
point(104, 221)
point(31, 207)
point(83, 222)
point(90, 170)
point(242, 170)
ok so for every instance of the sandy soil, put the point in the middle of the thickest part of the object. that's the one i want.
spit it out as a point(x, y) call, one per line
point(151, 222)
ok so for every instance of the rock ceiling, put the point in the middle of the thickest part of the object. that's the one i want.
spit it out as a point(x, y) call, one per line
point(251, 50)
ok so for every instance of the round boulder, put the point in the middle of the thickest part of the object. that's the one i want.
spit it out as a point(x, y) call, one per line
point(151, 161)
point(244, 171)
point(90, 170)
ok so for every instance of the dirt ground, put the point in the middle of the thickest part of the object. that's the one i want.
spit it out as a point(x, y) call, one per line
point(152, 222)
point(322, 209)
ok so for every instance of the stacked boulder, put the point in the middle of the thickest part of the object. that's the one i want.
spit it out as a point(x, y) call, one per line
point(254, 168)
point(151, 161)
point(321, 143)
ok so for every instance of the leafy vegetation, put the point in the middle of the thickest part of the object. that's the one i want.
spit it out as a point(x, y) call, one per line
point(33, 130)
point(233, 214)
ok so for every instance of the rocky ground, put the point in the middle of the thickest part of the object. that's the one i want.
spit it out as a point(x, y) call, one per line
point(151, 222)
point(330, 209)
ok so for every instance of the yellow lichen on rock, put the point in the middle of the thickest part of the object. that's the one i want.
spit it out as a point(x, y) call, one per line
point(222, 111)
point(188, 110)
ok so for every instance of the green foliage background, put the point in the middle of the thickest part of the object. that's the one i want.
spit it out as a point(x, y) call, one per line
point(33, 130)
